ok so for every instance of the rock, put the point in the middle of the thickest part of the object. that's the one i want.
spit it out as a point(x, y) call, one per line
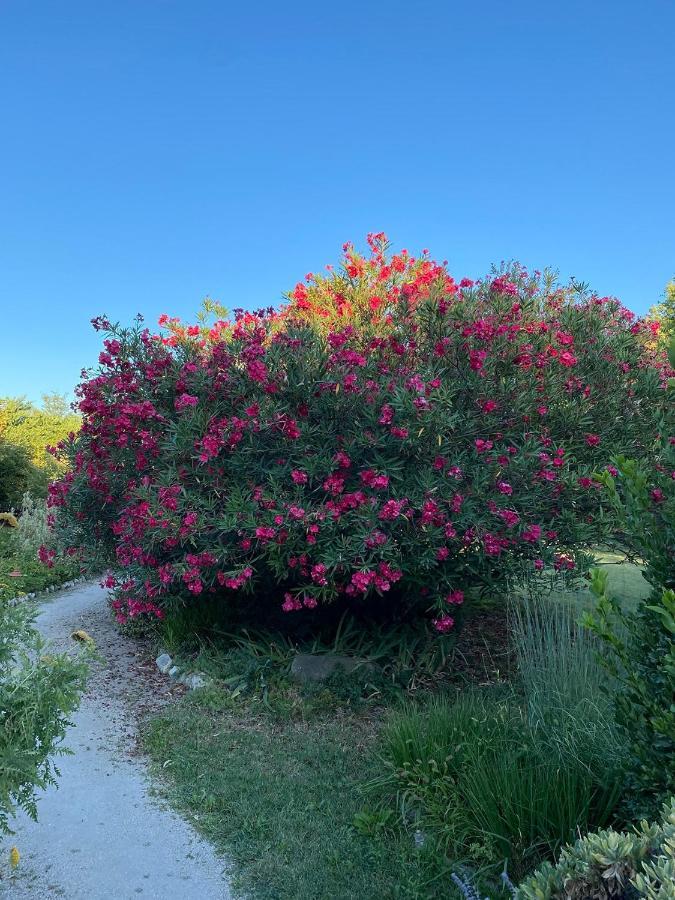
point(164, 663)
point(310, 667)
point(174, 672)
point(83, 637)
point(195, 680)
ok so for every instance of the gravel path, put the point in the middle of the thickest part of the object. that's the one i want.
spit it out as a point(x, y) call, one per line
point(102, 835)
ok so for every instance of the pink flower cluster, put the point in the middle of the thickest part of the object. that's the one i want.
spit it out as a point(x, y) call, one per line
point(390, 432)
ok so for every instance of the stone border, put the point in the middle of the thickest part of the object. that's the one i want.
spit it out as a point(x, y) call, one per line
point(191, 680)
point(33, 595)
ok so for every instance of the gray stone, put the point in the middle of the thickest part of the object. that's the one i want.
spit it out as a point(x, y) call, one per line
point(195, 680)
point(174, 672)
point(164, 662)
point(310, 667)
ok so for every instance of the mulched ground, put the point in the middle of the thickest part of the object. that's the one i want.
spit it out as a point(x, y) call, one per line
point(483, 653)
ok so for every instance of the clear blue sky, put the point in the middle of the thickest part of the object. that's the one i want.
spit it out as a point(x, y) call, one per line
point(156, 151)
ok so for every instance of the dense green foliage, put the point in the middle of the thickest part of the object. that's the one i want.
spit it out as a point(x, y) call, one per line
point(21, 570)
point(34, 428)
point(390, 439)
point(18, 475)
point(25, 433)
point(642, 641)
point(38, 692)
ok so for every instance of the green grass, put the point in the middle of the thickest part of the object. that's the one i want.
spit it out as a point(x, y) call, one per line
point(275, 773)
point(626, 582)
point(280, 800)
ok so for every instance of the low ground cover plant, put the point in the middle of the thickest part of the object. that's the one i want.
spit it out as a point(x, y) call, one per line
point(391, 439)
point(639, 863)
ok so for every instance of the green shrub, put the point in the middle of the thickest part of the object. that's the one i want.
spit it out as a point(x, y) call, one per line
point(512, 773)
point(33, 528)
point(643, 662)
point(22, 549)
point(34, 576)
point(642, 642)
point(21, 572)
point(610, 864)
point(18, 475)
point(38, 692)
point(389, 440)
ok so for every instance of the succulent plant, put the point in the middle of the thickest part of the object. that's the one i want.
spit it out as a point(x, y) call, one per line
point(611, 865)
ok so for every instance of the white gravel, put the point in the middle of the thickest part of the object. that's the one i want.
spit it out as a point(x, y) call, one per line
point(101, 834)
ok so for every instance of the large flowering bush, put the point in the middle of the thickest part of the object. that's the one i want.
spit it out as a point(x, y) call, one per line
point(388, 433)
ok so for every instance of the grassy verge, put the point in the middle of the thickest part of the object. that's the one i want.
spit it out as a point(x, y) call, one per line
point(280, 798)
point(277, 774)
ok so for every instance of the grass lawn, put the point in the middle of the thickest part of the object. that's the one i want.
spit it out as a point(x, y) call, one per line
point(625, 581)
point(274, 773)
point(280, 797)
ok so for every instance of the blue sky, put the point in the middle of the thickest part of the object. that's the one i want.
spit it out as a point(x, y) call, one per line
point(153, 152)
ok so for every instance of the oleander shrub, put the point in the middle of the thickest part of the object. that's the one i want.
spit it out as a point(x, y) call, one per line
point(38, 693)
point(391, 439)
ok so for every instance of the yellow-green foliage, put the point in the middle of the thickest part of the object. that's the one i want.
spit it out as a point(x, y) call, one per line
point(25, 425)
point(664, 314)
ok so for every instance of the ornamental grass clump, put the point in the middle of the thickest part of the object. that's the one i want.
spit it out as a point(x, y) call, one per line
point(389, 440)
point(511, 773)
